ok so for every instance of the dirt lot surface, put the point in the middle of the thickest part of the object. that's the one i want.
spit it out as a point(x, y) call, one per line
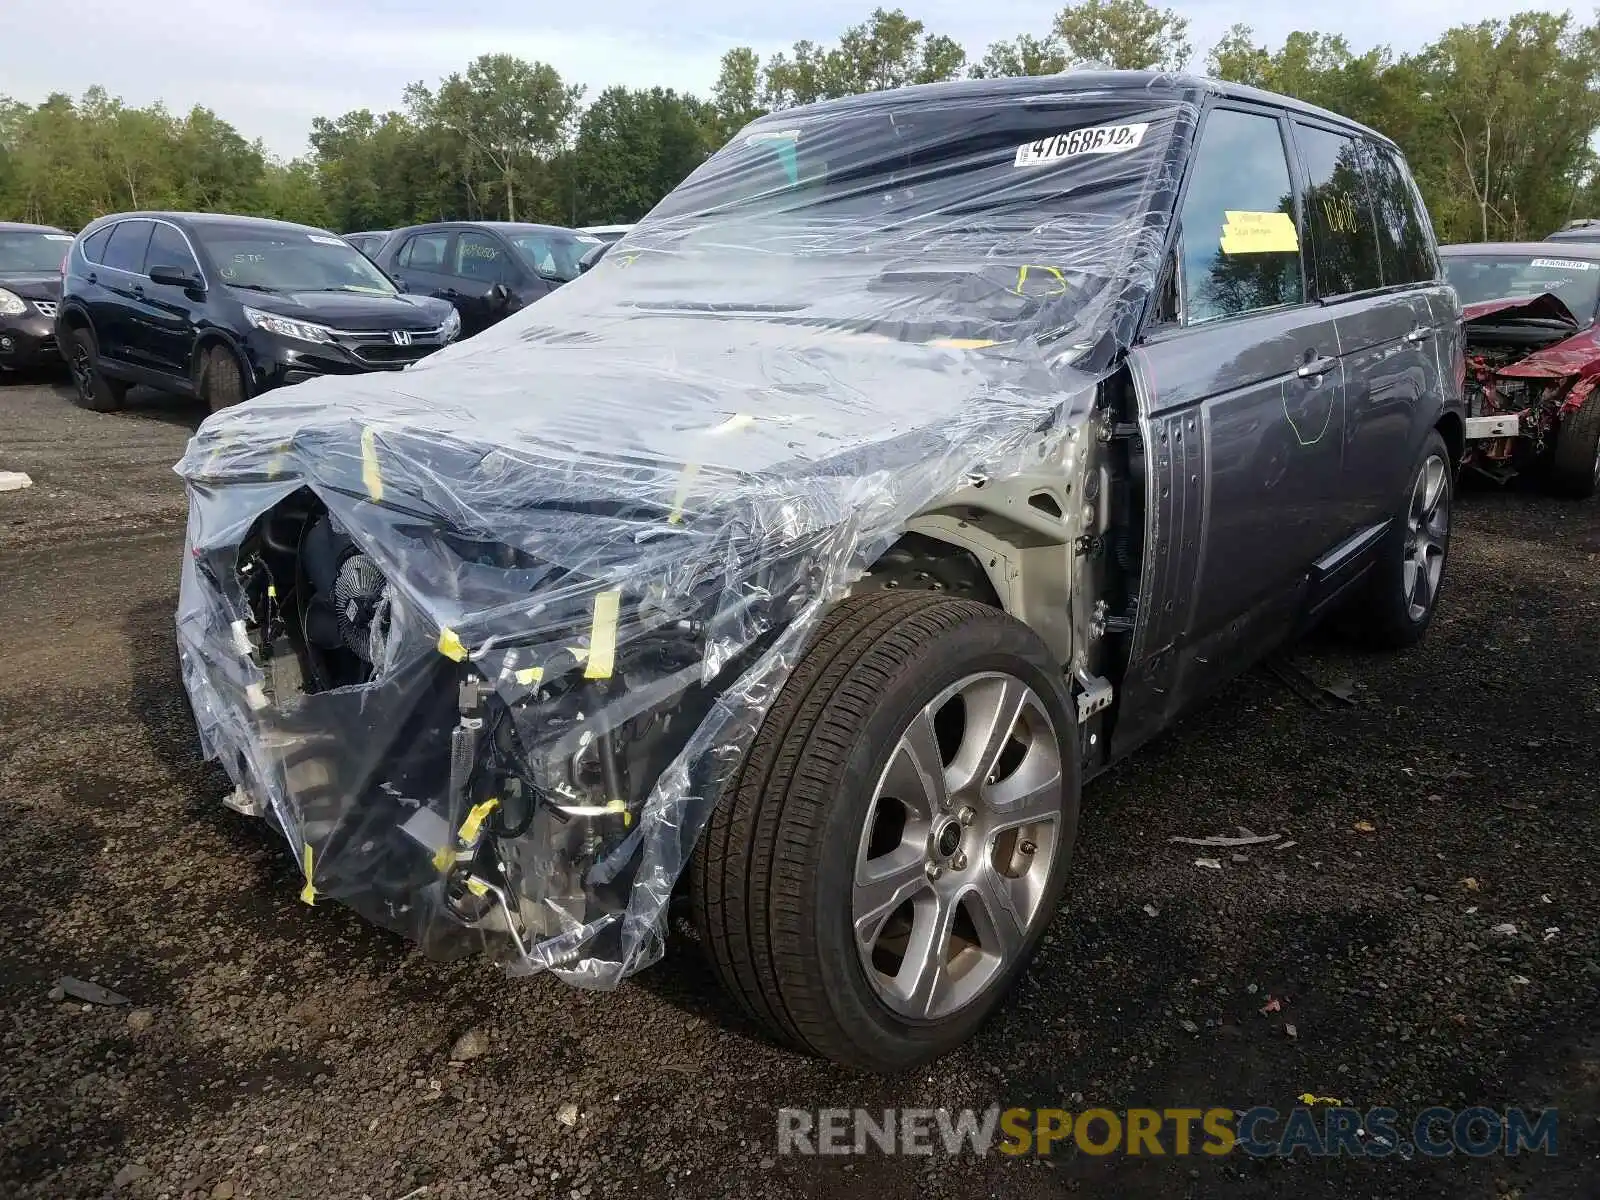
point(274, 1050)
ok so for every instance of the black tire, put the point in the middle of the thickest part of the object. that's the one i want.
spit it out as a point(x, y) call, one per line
point(221, 380)
point(1575, 466)
point(1383, 615)
point(94, 391)
point(771, 879)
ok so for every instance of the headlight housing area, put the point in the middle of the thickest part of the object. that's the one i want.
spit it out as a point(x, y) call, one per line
point(301, 331)
point(11, 304)
point(452, 326)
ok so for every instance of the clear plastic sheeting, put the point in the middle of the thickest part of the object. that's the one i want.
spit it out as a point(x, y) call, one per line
point(485, 637)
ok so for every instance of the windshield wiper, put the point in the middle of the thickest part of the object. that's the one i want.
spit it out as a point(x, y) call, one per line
point(252, 287)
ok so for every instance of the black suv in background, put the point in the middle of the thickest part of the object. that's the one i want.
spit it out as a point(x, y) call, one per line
point(224, 307)
point(487, 269)
point(30, 285)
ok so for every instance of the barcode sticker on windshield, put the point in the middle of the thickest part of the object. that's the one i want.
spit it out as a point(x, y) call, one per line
point(323, 239)
point(1566, 264)
point(1102, 139)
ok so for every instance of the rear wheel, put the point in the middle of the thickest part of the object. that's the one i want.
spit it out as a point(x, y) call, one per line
point(1575, 468)
point(891, 851)
point(95, 391)
point(1396, 606)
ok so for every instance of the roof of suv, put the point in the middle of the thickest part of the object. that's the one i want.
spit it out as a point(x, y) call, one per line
point(24, 227)
point(1583, 250)
point(200, 218)
point(1160, 85)
point(516, 226)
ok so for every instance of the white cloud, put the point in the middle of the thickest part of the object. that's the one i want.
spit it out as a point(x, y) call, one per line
point(269, 69)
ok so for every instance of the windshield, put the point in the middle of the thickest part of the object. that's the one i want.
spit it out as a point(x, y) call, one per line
point(32, 250)
point(283, 260)
point(553, 255)
point(981, 222)
point(1479, 277)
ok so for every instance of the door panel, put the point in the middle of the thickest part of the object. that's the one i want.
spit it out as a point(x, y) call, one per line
point(1242, 415)
point(1391, 365)
point(165, 314)
point(118, 279)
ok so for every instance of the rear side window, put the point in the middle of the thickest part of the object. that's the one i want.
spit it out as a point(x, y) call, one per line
point(426, 252)
point(125, 250)
point(168, 249)
point(1404, 247)
point(1340, 206)
point(1240, 242)
point(95, 244)
point(480, 257)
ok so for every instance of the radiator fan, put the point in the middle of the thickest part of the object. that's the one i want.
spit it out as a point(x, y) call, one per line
point(344, 606)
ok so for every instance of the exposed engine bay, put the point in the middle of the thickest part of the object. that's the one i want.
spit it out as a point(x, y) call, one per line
point(1528, 363)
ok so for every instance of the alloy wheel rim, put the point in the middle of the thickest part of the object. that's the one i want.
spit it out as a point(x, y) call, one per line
point(82, 372)
point(1427, 534)
point(955, 851)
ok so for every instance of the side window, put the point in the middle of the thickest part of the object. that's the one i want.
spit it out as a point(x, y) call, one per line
point(1240, 243)
point(426, 251)
point(94, 246)
point(168, 249)
point(125, 250)
point(1404, 244)
point(1343, 231)
point(480, 257)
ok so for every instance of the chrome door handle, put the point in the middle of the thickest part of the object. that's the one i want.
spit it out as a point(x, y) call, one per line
point(1420, 334)
point(1316, 367)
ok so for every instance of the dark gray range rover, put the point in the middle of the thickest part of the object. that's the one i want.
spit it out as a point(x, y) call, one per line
point(918, 458)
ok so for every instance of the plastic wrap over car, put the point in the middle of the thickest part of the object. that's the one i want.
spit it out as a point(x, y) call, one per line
point(485, 637)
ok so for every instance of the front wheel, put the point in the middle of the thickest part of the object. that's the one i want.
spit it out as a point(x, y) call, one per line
point(896, 840)
point(221, 380)
point(1397, 603)
point(1575, 467)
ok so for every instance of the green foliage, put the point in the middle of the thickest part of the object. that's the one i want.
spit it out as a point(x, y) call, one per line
point(1497, 119)
point(888, 51)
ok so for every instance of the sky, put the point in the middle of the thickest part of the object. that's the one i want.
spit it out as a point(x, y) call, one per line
point(269, 66)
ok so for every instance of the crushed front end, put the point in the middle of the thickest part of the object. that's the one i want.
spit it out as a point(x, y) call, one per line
point(1528, 366)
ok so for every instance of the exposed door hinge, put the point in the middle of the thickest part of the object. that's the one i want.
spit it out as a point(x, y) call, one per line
point(1120, 431)
point(1089, 545)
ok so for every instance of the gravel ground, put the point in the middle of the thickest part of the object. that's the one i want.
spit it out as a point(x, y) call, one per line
point(273, 1050)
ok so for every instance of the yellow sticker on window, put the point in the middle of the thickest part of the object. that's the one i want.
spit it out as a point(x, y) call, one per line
point(1259, 233)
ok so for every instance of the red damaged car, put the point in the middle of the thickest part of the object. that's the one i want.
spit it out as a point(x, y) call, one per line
point(1533, 359)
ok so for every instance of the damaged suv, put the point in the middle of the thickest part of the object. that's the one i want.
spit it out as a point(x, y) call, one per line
point(1533, 359)
point(919, 457)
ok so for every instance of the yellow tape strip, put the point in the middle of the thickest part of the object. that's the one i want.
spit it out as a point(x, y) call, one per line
point(444, 859)
point(370, 475)
point(473, 825)
point(686, 480)
point(1022, 277)
point(528, 676)
point(603, 636)
point(450, 645)
point(1259, 233)
point(309, 892)
point(477, 886)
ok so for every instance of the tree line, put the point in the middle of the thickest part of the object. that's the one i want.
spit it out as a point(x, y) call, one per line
point(1496, 118)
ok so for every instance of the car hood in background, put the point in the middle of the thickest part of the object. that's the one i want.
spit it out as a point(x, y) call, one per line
point(350, 310)
point(32, 285)
point(1545, 306)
